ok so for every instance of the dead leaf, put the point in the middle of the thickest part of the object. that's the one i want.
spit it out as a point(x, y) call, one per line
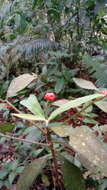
point(19, 83)
point(85, 84)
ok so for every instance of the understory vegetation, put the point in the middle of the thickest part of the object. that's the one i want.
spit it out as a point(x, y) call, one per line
point(53, 94)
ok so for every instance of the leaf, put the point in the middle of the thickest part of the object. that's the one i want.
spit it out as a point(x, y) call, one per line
point(22, 24)
point(30, 117)
point(99, 5)
point(103, 185)
point(72, 104)
point(45, 180)
point(3, 173)
point(30, 173)
point(102, 105)
point(85, 84)
point(33, 134)
point(60, 102)
point(62, 130)
point(72, 176)
point(6, 127)
point(91, 151)
point(103, 129)
point(89, 120)
point(11, 177)
point(19, 83)
point(33, 105)
point(59, 85)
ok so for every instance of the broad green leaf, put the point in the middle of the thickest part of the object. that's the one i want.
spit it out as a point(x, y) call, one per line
point(92, 152)
point(73, 103)
point(30, 117)
point(72, 176)
point(33, 105)
point(3, 173)
point(6, 127)
point(11, 177)
point(85, 84)
point(59, 85)
point(102, 105)
point(62, 130)
point(20, 22)
point(30, 173)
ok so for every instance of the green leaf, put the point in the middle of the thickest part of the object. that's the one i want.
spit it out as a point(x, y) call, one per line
point(11, 177)
point(59, 85)
point(85, 84)
point(90, 121)
point(33, 105)
point(30, 117)
point(102, 104)
point(103, 185)
point(99, 5)
point(72, 176)
point(45, 180)
point(3, 173)
point(20, 22)
point(1, 184)
point(62, 130)
point(72, 104)
point(30, 173)
point(6, 127)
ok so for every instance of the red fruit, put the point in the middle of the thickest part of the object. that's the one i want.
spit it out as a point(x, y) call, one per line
point(50, 96)
point(104, 92)
point(8, 107)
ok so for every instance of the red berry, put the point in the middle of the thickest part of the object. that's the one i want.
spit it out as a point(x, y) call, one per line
point(50, 96)
point(104, 92)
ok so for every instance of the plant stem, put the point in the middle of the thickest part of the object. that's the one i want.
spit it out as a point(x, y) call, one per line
point(23, 140)
point(55, 164)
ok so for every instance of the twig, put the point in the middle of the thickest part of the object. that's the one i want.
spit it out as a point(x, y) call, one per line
point(24, 140)
point(55, 164)
point(12, 106)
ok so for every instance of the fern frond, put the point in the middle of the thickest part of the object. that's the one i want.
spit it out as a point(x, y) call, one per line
point(96, 70)
point(29, 50)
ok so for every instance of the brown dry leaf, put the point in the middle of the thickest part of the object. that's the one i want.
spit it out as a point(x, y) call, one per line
point(91, 151)
point(86, 84)
point(20, 83)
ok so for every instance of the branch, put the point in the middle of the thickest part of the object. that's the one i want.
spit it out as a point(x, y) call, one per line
point(23, 140)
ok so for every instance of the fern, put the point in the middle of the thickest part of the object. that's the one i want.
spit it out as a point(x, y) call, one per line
point(97, 70)
point(25, 52)
point(29, 50)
